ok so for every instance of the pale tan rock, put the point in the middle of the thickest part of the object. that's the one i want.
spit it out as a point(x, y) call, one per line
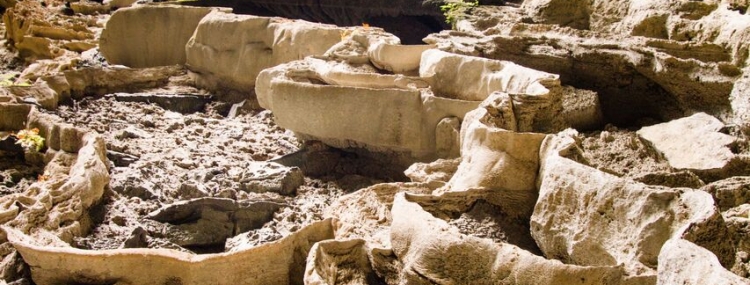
point(220, 61)
point(683, 262)
point(407, 116)
point(574, 14)
point(343, 262)
point(397, 58)
point(115, 4)
point(432, 251)
point(581, 109)
point(39, 93)
point(473, 78)
point(692, 143)
point(439, 171)
point(86, 7)
point(278, 262)
point(495, 158)
point(366, 214)
point(447, 137)
point(588, 217)
point(740, 98)
point(149, 36)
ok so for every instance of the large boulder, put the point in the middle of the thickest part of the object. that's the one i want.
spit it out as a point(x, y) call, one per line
point(228, 51)
point(148, 36)
point(493, 155)
point(588, 217)
point(432, 251)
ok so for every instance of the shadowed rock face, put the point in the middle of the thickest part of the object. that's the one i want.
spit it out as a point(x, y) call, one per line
point(410, 20)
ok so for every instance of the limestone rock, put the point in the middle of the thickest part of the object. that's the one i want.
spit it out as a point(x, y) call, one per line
point(149, 36)
point(588, 217)
point(730, 192)
point(339, 262)
point(210, 221)
point(299, 104)
point(262, 177)
point(740, 98)
point(473, 78)
point(574, 14)
point(685, 59)
point(683, 262)
point(439, 171)
point(255, 43)
point(738, 222)
point(366, 214)
point(495, 157)
point(432, 251)
point(278, 262)
point(396, 58)
point(692, 143)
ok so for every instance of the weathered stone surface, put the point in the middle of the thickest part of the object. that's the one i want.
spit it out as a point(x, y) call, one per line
point(181, 103)
point(730, 192)
point(262, 177)
point(692, 143)
point(343, 262)
point(683, 262)
point(366, 214)
point(280, 262)
point(13, 116)
point(588, 217)
point(395, 57)
point(494, 157)
point(407, 119)
point(432, 251)
point(686, 57)
point(149, 36)
point(256, 43)
point(740, 98)
point(39, 33)
point(439, 171)
point(474, 78)
point(210, 221)
point(738, 222)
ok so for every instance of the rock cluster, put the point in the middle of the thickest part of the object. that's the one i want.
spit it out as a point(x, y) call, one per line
point(506, 188)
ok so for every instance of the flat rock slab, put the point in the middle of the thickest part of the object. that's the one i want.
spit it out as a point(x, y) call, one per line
point(181, 103)
point(692, 143)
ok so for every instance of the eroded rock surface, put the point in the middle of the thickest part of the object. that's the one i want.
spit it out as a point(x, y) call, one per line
point(517, 199)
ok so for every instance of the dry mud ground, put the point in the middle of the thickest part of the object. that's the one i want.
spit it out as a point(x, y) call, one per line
point(161, 157)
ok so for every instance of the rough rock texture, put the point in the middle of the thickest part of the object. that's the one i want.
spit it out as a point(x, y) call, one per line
point(683, 262)
point(632, 220)
point(39, 33)
point(531, 99)
point(692, 143)
point(149, 36)
point(662, 60)
point(494, 157)
point(434, 252)
point(340, 262)
point(730, 192)
point(281, 262)
point(400, 128)
point(220, 62)
point(519, 206)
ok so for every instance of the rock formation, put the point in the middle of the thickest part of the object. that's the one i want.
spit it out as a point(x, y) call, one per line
point(509, 184)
